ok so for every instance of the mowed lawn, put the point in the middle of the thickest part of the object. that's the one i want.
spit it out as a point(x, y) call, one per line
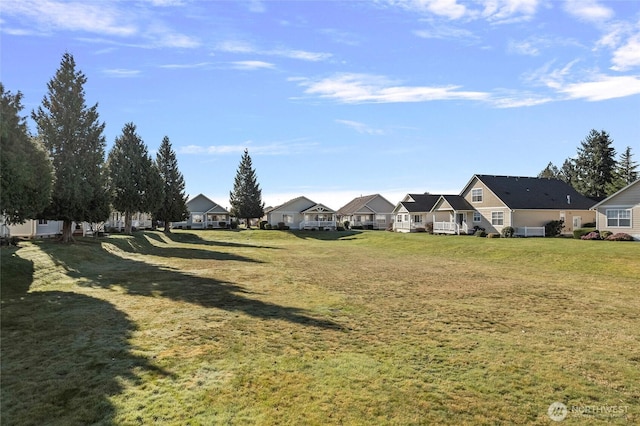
point(318, 328)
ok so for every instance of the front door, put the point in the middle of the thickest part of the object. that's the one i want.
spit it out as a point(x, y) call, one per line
point(577, 222)
point(460, 218)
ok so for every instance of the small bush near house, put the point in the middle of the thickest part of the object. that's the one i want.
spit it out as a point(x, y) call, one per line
point(493, 235)
point(594, 235)
point(233, 225)
point(589, 225)
point(508, 232)
point(346, 224)
point(429, 227)
point(605, 234)
point(579, 232)
point(620, 236)
point(480, 233)
point(554, 228)
point(268, 226)
point(262, 224)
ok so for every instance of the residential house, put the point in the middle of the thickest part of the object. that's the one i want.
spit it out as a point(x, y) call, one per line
point(452, 214)
point(413, 212)
point(138, 221)
point(43, 228)
point(302, 213)
point(204, 214)
point(620, 212)
point(525, 203)
point(369, 212)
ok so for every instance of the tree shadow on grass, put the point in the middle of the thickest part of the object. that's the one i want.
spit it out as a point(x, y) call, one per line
point(326, 235)
point(144, 279)
point(64, 355)
point(191, 238)
point(141, 243)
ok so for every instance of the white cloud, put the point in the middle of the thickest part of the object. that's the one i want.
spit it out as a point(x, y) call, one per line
point(120, 72)
point(498, 11)
point(524, 47)
point(286, 147)
point(361, 127)
point(186, 66)
point(588, 10)
point(239, 46)
point(92, 17)
point(509, 11)
point(603, 88)
point(627, 56)
point(364, 88)
point(252, 65)
point(446, 8)
point(444, 32)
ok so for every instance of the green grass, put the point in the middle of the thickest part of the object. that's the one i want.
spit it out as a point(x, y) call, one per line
point(270, 327)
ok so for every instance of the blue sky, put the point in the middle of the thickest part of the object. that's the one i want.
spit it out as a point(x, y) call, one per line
point(337, 99)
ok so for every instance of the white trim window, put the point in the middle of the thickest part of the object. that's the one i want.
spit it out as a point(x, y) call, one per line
point(196, 218)
point(287, 218)
point(497, 218)
point(619, 218)
point(476, 195)
point(417, 218)
point(477, 217)
point(43, 222)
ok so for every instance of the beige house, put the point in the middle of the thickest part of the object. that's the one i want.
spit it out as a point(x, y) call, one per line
point(413, 213)
point(204, 214)
point(525, 203)
point(369, 212)
point(43, 228)
point(620, 212)
point(302, 213)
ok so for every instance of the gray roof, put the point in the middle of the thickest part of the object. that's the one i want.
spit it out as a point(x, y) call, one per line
point(458, 202)
point(535, 193)
point(421, 203)
point(360, 205)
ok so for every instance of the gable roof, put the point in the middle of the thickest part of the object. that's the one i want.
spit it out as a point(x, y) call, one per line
point(202, 203)
point(318, 208)
point(457, 202)
point(360, 205)
point(518, 193)
point(293, 200)
point(421, 202)
point(625, 189)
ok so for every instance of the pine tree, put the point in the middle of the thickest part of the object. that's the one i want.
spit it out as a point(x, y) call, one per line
point(26, 173)
point(595, 165)
point(73, 135)
point(173, 201)
point(626, 172)
point(133, 178)
point(246, 197)
point(550, 172)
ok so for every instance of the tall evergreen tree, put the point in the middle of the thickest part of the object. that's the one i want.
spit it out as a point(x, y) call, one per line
point(173, 201)
point(568, 172)
point(246, 197)
point(26, 173)
point(73, 135)
point(625, 172)
point(550, 172)
point(595, 164)
point(134, 180)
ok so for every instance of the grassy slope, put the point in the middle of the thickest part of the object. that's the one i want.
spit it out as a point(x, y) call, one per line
point(318, 328)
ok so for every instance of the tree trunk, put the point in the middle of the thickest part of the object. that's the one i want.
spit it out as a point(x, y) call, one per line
point(167, 227)
point(127, 223)
point(67, 231)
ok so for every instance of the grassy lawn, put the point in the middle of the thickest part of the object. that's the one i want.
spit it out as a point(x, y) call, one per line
point(270, 327)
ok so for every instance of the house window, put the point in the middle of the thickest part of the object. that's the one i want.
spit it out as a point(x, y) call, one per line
point(477, 217)
point(619, 218)
point(358, 218)
point(476, 195)
point(287, 218)
point(42, 222)
point(196, 218)
point(417, 218)
point(497, 218)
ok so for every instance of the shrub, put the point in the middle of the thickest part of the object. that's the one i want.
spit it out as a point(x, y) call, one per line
point(429, 227)
point(589, 225)
point(480, 233)
point(579, 232)
point(508, 232)
point(594, 235)
point(620, 236)
point(262, 224)
point(267, 226)
point(605, 234)
point(346, 224)
point(233, 225)
point(493, 235)
point(281, 225)
point(554, 228)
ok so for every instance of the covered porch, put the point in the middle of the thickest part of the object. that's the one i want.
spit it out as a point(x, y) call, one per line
point(318, 217)
point(460, 216)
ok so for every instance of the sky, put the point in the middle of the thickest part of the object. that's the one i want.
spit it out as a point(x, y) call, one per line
point(338, 99)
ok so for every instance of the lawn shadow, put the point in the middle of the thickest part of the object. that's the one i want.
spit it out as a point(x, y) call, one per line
point(140, 242)
point(143, 279)
point(191, 238)
point(326, 235)
point(64, 355)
